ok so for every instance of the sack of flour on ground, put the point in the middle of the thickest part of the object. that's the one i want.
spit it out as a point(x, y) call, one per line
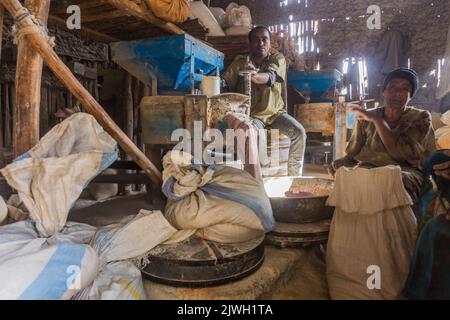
point(372, 234)
point(225, 204)
point(117, 246)
point(52, 175)
point(55, 268)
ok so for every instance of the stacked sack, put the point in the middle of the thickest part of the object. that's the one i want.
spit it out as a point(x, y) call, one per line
point(238, 20)
point(206, 18)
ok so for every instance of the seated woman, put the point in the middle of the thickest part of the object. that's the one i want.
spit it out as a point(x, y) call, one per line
point(429, 277)
point(395, 134)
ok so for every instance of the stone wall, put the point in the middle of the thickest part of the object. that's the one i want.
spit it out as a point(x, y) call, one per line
point(343, 33)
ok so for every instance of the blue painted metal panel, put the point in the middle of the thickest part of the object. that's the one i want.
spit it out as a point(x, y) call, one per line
point(315, 84)
point(172, 60)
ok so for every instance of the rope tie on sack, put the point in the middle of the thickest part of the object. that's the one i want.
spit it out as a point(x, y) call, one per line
point(20, 32)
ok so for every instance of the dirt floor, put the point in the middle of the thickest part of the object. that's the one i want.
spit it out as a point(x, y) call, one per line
point(307, 281)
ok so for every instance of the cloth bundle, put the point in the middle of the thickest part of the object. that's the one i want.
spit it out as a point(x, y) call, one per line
point(223, 204)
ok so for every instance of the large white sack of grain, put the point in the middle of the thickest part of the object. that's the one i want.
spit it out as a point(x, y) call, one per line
point(117, 245)
point(51, 176)
point(33, 268)
point(224, 204)
point(120, 280)
point(132, 237)
point(201, 12)
point(53, 273)
point(372, 235)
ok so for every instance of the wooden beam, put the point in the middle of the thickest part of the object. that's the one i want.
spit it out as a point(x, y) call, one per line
point(133, 9)
point(83, 32)
point(40, 42)
point(28, 86)
point(99, 16)
point(2, 107)
point(128, 105)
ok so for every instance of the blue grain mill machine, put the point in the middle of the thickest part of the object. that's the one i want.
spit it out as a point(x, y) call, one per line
point(319, 85)
point(177, 62)
point(175, 65)
point(325, 112)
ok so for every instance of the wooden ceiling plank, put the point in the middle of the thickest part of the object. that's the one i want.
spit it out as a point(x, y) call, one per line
point(95, 17)
point(134, 9)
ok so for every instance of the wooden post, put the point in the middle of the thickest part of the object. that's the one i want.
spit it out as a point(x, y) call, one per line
point(2, 14)
point(128, 104)
point(136, 100)
point(154, 86)
point(40, 42)
point(145, 91)
point(7, 119)
point(125, 189)
point(28, 86)
point(340, 132)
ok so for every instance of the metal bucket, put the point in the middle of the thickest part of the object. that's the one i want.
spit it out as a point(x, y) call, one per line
point(306, 209)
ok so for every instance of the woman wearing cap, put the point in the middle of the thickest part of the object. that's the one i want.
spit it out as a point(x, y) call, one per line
point(395, 134)
point(373, 224)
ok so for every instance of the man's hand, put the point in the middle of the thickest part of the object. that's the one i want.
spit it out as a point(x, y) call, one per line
point(260, 78)
point(249, 66)
point(443, 169)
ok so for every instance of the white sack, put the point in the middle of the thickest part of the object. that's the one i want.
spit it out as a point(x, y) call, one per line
point(117, 245)
point(33, 268)
point(238, 16)
point(373, 230)
point(51, 176)
point(201, 12)
point(225, 204)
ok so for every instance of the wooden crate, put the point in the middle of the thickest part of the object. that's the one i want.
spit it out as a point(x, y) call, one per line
point(316, 117)
point(162, 115)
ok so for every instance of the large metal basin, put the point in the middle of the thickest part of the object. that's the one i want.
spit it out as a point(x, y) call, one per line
point(306, 209)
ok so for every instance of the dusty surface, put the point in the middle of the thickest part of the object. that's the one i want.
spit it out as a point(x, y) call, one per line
point(285, 274)
point(307, 280)
point(110, 211)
